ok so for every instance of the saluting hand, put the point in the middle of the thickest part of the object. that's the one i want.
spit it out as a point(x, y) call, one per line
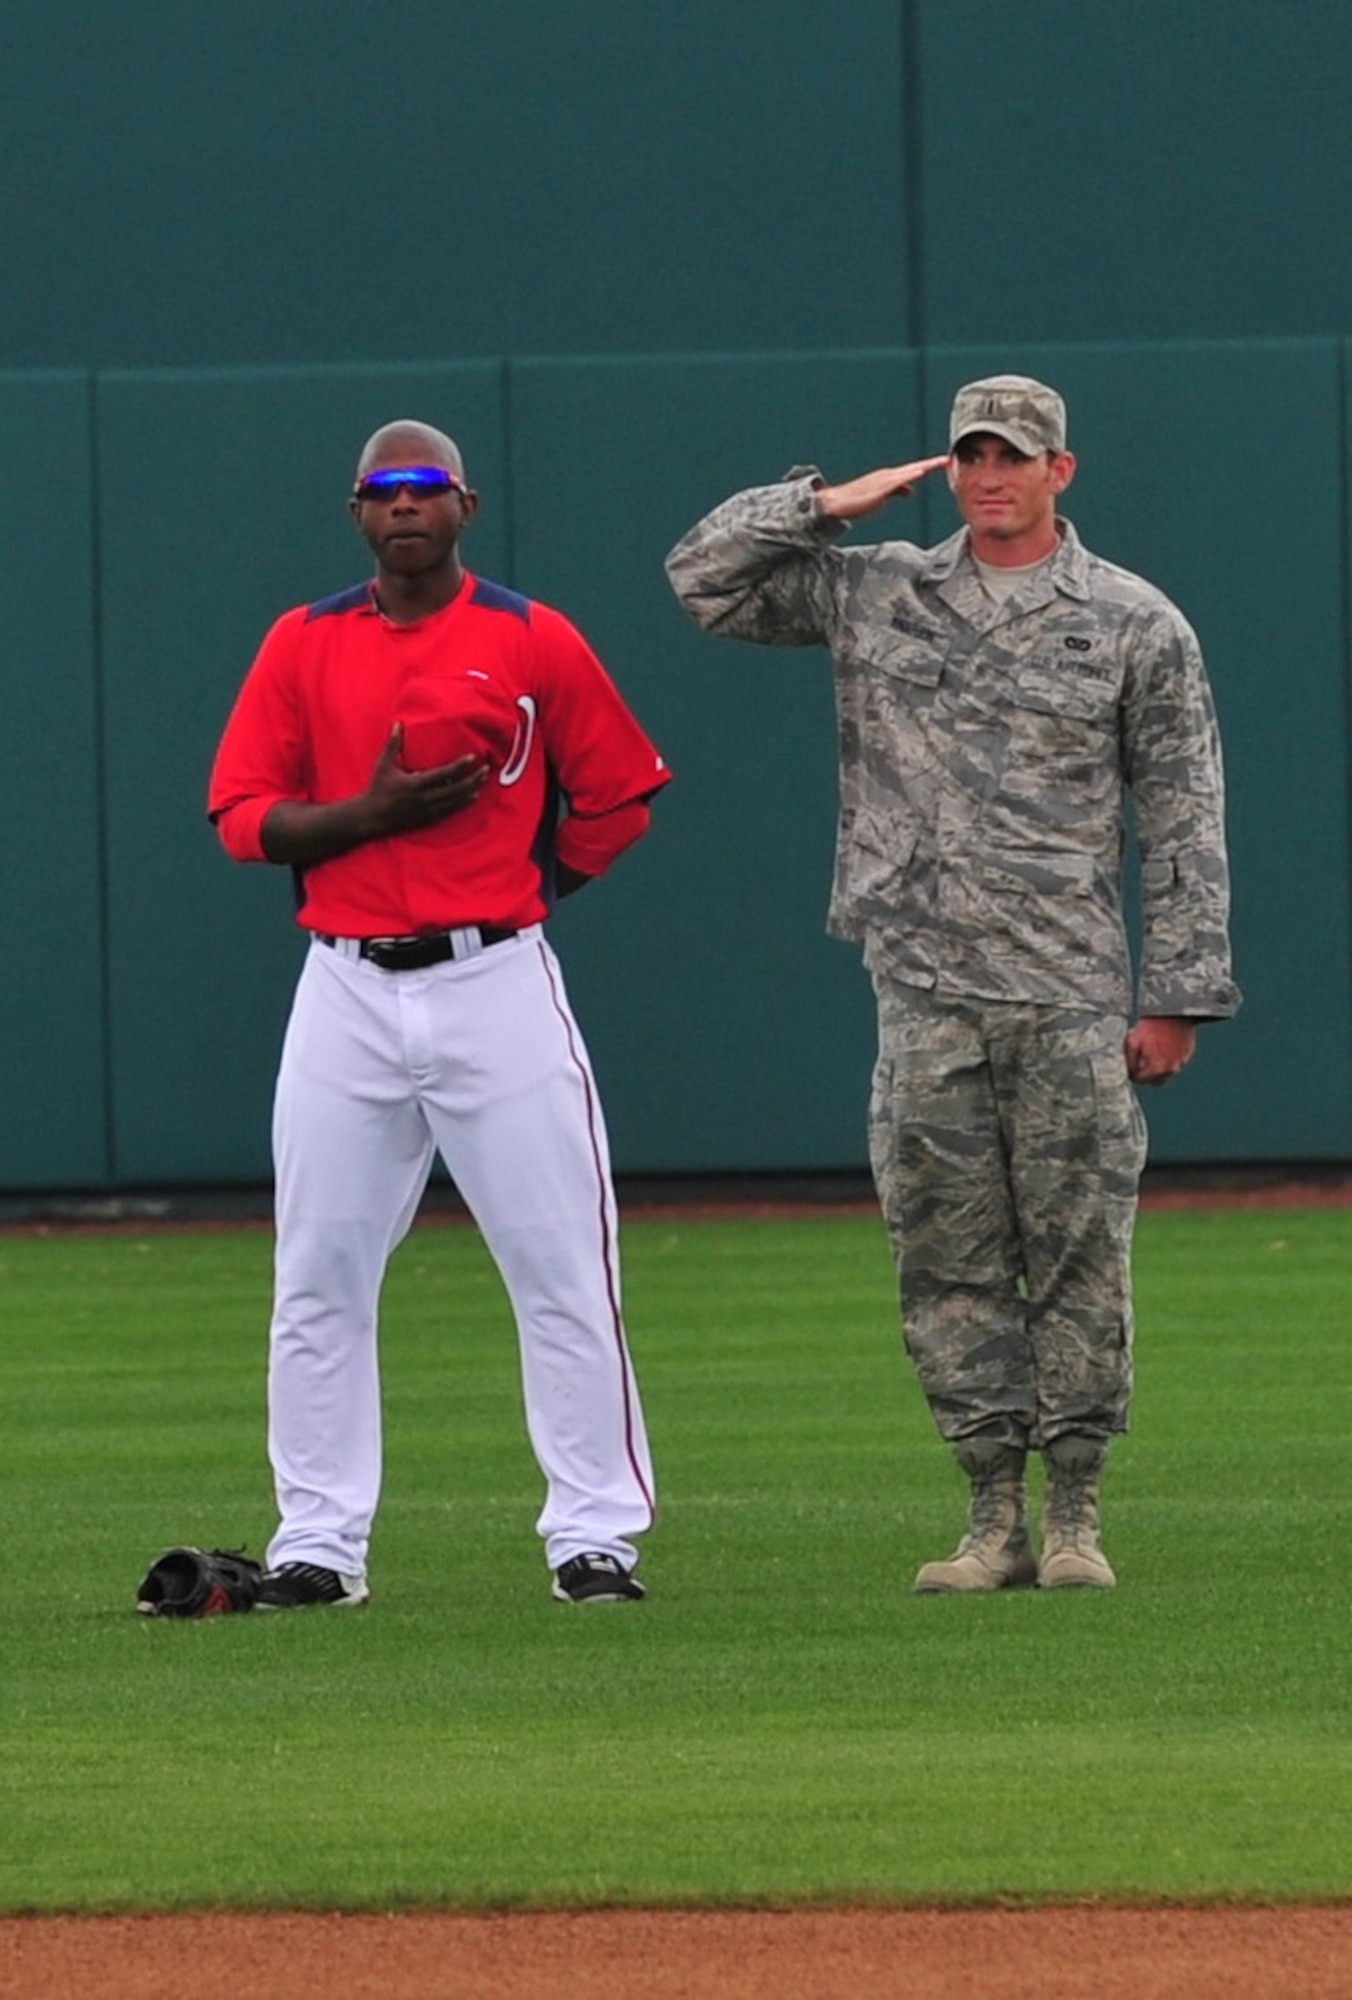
point(858, 498)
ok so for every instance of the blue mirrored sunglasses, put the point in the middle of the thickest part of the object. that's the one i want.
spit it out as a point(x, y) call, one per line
point(424, 482)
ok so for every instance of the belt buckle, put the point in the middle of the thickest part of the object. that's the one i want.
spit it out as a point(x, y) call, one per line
point(411, 954)
point(398, 954)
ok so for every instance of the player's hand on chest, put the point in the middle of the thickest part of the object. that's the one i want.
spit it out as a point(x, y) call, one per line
point(448, 703)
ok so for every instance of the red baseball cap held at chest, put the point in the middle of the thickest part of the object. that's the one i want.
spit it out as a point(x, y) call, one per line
point(466, 714)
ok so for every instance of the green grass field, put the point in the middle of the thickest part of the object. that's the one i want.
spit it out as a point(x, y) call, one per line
point(782, 1721)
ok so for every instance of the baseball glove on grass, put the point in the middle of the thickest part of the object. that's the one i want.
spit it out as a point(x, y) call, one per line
point(199, 1583)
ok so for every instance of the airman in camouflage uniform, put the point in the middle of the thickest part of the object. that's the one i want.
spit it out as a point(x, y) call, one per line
point(997, 696)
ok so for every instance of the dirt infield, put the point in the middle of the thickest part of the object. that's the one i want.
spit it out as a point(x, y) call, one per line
point(693, 1198)
point(1072, 1953)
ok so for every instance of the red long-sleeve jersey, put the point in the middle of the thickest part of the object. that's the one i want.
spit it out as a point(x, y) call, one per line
point(494, 673)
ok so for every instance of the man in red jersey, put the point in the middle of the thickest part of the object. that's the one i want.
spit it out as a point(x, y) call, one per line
point(437, 758)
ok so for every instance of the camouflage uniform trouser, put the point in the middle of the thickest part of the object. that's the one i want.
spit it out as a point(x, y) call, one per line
point(1007, 1146)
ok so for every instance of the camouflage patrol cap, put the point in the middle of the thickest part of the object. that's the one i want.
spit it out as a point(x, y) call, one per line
point(1027, 414)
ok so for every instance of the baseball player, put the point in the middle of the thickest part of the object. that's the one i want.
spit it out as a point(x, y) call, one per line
point(437, 758)
point(997, 696)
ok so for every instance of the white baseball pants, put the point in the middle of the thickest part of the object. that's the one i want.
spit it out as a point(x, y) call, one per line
point(481, 1060)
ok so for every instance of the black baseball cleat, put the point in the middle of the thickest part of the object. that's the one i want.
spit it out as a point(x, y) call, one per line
point(595, 1579)
point(296, 1585)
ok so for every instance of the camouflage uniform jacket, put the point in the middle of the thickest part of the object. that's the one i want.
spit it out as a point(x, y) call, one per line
point(985, 752)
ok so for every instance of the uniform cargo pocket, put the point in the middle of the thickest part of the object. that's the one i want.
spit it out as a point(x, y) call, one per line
point(875, 853)
point(1035, 871)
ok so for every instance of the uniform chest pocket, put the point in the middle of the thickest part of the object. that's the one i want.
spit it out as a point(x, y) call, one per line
point(896, 656)
point(1052, 689)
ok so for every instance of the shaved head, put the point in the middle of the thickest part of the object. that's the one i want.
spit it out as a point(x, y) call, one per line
point(408, 442)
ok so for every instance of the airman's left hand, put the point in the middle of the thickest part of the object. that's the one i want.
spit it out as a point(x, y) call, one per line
point(1158, 1047)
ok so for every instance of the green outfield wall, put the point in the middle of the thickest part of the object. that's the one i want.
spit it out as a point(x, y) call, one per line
point(634, 258)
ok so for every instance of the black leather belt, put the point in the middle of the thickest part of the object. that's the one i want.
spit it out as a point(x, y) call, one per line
point(411, 954)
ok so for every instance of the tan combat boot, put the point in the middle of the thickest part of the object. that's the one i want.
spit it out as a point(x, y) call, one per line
point(994, 1554)
point(1071, 1555)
